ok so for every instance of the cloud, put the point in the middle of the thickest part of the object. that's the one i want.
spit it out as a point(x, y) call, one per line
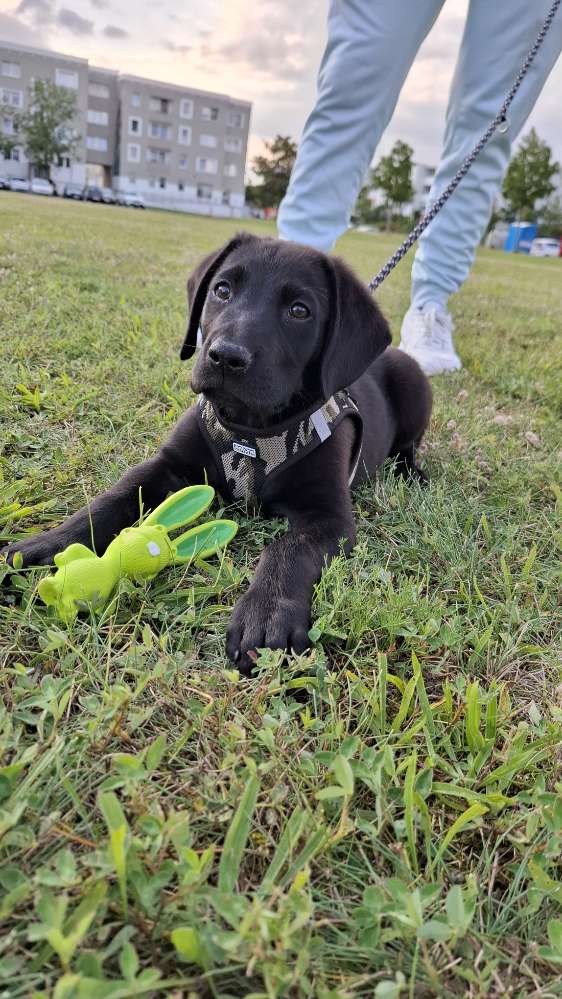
point(112, 31)
point(181, 50)
point(15, 31)
point(275, 44)
point(73, 22)
point(36, 13)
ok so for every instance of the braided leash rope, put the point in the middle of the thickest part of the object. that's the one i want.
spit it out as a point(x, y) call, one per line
point(500, 121)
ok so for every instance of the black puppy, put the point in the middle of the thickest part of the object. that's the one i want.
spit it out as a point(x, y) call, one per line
point(300, 398)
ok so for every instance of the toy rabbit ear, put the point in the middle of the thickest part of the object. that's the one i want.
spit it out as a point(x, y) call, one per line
point(182, 507)
point(71, 554)
point(204, 540)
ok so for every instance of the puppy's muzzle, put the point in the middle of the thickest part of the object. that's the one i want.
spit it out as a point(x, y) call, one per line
point(229, 357)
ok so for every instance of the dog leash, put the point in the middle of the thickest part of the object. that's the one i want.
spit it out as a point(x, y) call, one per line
point(500, 122)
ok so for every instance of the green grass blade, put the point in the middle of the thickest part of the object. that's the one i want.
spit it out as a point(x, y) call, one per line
point(383, 675)
point(404, 705)
point(409, 810)
point(473, 812)
point(474, 738)
point(237, 836)
point(116, 822)
point(292, 832)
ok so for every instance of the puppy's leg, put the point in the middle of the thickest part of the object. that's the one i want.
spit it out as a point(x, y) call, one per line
point(275, 611)
point(179, 462)
point(408, 392)
point(406, 467)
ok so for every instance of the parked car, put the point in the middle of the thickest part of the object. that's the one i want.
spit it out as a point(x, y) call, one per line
point(130, 199)
point(73, 191)
point(41, 186)
point(545, 247)
point(4, 184)
point(18, 185)
point(108, 196)
point(93, 194)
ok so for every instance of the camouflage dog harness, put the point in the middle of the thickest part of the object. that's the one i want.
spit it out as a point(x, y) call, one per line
point(246, 459)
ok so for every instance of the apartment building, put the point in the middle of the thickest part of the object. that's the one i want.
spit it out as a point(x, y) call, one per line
point(102, 115)
point(181, 148)
point(19, 67)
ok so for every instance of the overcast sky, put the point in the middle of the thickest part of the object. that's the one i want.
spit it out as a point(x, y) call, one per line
point(265, 51)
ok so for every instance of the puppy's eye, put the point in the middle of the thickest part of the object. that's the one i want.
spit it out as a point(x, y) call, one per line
point(299, 310)
point(222, 291)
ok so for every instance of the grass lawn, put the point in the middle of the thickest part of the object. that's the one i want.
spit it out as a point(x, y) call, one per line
point(381, 817)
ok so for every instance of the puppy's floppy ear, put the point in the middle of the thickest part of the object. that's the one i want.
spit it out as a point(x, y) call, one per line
point(198, 286)
point(357, 330)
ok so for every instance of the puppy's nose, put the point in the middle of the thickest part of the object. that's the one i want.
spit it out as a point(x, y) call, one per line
point(230, 356)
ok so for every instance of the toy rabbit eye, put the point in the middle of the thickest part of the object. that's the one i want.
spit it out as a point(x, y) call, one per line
point(153, 548)
point(222, 291)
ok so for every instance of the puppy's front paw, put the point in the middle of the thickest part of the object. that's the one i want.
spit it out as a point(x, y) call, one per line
point(259, 621)
point(40, 549)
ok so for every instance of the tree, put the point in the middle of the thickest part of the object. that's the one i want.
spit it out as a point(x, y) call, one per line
point(393, 176)
point(551, 219)
point(274, 171)
point(529, 177)
point(363, 212)
point(8, 139)
point(46, 129)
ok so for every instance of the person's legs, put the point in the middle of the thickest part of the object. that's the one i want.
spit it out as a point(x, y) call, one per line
point(371, 46)
point(496, 40)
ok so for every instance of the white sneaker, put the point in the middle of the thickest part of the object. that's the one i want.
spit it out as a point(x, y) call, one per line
point(427, 336)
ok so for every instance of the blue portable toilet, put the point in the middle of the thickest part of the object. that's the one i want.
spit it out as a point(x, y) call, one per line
point(520, 235)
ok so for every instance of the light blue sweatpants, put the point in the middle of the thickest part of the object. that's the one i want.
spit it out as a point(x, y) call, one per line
point(371, 46)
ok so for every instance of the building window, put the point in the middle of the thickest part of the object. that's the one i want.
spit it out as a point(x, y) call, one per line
point(135, 126)
point(97, 117)
point(181, 185)
point(184, 135)
point(233, 145)
point(226, 197)
point(8, 127)
point(96, 142)
point(183, 162)
point(11, 69)
point(63, 161)
point(209, 113)
point(66, 78)
point(162, 182)
point(230, 170)
point(133, 152)
point(235, 119)
point(14, 154)
point(204, 192)
point(136, 100)
point(161, 104)
point(157, 130)
point(208, 140)
point(186, 108)
point(157, 155)
point(12, 97)
point(205, 165)
point(98, 90)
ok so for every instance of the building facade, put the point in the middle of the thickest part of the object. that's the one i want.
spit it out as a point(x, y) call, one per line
point(19, 67)
point(180, 148)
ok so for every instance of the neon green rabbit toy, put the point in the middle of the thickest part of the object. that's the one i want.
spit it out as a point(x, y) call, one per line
point(84, 581)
